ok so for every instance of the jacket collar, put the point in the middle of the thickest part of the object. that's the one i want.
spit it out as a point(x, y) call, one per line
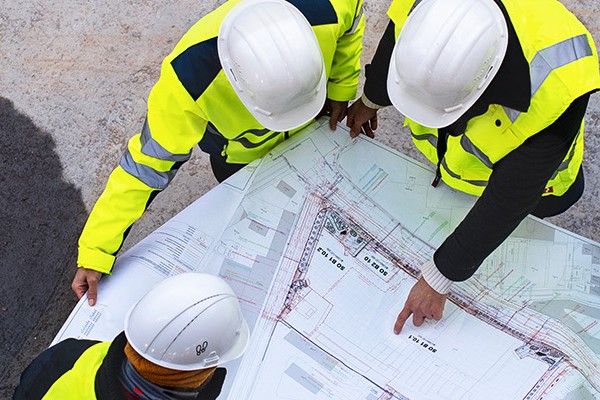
point(511, 87)
point(107, 384)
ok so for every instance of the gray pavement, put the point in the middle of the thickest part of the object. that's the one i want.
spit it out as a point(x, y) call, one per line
point(74, 78)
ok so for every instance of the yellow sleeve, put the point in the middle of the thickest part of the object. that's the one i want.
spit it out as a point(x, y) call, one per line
point(398, 13)
point(175, 124)
point(345, 69)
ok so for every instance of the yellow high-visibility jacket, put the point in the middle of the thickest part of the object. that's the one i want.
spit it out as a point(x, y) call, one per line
point(79, 381)
point(193, 103)
point(563, 66)
point(81, 369)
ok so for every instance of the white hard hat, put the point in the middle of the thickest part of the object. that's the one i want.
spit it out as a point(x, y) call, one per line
point(447, 54)
point(187, 322)
point(272, 58)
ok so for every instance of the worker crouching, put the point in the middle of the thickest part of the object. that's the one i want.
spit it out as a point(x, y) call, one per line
point(175, 338)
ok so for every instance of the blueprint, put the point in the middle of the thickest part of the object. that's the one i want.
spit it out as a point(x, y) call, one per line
point(322, 239)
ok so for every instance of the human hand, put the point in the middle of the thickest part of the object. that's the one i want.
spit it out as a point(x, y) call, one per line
point(423, 302)
point(86, 280)
point(361, 119)
point(336, 111)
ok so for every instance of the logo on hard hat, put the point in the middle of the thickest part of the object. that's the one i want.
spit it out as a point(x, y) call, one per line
point(201, 348)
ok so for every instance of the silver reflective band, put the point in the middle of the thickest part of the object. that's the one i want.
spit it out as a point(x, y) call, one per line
point(457, 176)
point(470, 148)
point(431, 138)
point(151, 177)
point(356, 22)
point(512, 114)
point(414, 5)
point(152, 148)
point(551, 58)
point(565, 163)
point(557, 56)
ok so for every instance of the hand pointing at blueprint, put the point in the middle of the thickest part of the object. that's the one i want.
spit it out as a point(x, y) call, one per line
point(423, 303)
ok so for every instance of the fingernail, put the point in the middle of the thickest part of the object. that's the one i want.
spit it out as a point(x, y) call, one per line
point(91, 302)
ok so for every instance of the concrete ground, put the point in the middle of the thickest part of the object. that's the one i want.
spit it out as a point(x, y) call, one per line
point(74, 78)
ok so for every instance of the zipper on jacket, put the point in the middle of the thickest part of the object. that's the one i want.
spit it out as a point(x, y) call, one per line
point(438, 176)
point(442, 146)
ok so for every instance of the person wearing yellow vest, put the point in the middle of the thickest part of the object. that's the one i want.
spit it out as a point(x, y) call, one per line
point(175, 338)
point(244, 78)
point(494, 93)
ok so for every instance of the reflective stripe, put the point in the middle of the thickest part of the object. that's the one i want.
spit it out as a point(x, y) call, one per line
point(556, 56)
point(255, 132)
point(151, 177)
point(431, 138)
point(212, 141)
point(448, 170)
point(551, 58)
point(564, 165)
point(457, 176)
point(356, 22)
point(470, 148)
point(416, 3)
point(241, 138)
point(512, 114)
point(210, 128)
point(250, 145)
point(152, 148)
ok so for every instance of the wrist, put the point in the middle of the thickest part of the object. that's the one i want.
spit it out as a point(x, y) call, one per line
point(435, 278)
point(369, 103)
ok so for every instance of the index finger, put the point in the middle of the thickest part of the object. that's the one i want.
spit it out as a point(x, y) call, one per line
point(402, 317)
point(337, 115)
point(355, 128)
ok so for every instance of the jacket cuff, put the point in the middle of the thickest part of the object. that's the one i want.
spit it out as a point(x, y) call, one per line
point(434, 278)
point(369, 103)
point(342, 91)
point(95, 259)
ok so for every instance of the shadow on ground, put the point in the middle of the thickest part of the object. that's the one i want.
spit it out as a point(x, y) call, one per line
point(41, 216)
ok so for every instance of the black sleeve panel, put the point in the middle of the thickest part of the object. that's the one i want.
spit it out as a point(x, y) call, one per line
point(48, 367)
point(376, 73)
point(514, 190)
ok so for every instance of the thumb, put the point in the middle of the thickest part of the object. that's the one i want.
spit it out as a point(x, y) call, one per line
point(92, 279)
point(92, 292)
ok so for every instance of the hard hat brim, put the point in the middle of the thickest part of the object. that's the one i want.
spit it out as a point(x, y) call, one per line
point(414, 109)
point(240, 345)
point(295, 117)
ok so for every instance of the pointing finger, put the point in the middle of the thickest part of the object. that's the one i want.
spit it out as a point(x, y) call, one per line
point(402, 317)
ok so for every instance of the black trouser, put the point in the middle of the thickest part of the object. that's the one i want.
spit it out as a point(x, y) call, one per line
point(223, 170)
point(550, 206)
